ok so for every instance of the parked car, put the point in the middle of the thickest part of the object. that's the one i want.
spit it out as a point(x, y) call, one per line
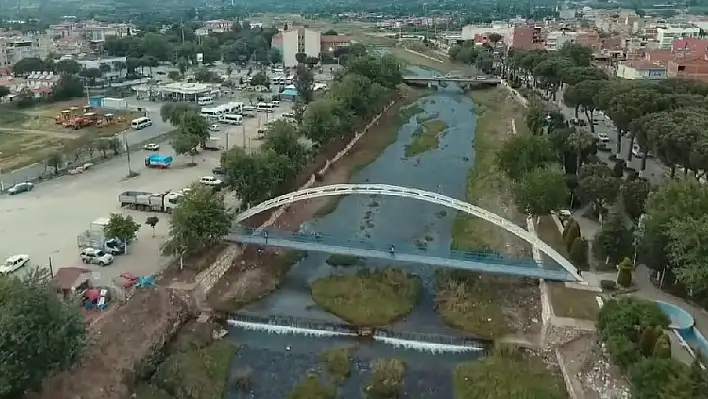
point(218, 171)
point(210, 181)
point(20, 188)
point(214, 128)
point(152, 147)
point(13, 263)
point(115, 246)
point(96, 256)
point(276, 103)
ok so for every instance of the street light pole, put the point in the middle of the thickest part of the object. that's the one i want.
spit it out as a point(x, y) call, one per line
point(127, 153)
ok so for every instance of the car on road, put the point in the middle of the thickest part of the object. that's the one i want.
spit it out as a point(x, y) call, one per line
point(603, 137)
point(210, 181)
point(20, 188)
point(13, 263)
point(214, 128)
point(151, 147)
point(276, 103)
point(96, 256)
point(578, 122)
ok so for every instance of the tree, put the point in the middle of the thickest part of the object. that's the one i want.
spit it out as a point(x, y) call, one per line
point(152, 222)
point(662, 349)
point(688, 252)
point(41, 334)
point(104, 68)
point(541, 191)
point(571, 235)
point(300, 58)
point(614, 241)
point(494, 38)
point(192, 123)
point(524, 153)
point(582, 96)
point(331, 32)
point(260, 79)
point(174, 112)
point(304, 82)
point(597, 184)
point(624, 273)
point(54, 161)
point(647, 340)
point(634, 196)
point(67, 87)
point(26, 66)
point(322, 121)
point(282, 138)
point(199, 221)
point(578, 253)
point(173, 75)
point(91, 75)
point(184, 143)
point(121, 226)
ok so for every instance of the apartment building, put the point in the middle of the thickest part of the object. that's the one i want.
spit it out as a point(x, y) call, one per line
point(555, 40)
point(666, 35)
point(302, 40)
point(90, 30)
point(696, 68)
point(14, 49)
point(526, 38)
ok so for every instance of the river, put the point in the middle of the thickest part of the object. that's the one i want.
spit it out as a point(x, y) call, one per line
point(385, 220)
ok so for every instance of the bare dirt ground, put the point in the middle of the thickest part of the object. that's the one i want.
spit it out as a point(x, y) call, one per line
point(591, 374)
point(259, 270)
point(118, 345)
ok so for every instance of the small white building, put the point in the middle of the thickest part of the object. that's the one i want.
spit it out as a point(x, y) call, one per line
point(641, 70)
point(667, 34)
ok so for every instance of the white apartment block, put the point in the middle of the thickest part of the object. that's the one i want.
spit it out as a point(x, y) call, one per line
point(666, 35)
point(14, 49)
point(90, 30)
point(555, 40)
point(297, 40)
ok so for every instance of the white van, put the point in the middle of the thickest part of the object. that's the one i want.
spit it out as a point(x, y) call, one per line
point(140, 123)
point(208, 100)
point(265, 107)
point(231, 119)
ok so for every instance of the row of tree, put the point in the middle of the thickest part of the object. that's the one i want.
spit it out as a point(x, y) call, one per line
point(367, 83)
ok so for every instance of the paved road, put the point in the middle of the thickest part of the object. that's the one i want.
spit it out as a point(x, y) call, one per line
point(655, 170)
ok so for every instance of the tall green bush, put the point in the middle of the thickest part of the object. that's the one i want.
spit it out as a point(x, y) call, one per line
point(579, 253)
point(567, 226)
point(572, 234)
point(662, 349)
point(624, 273)
point(647, 341)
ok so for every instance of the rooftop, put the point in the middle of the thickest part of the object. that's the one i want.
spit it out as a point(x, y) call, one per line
point(643, 65)
point(67, 276)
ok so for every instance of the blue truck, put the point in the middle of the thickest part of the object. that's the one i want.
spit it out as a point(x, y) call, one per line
point(158, 161)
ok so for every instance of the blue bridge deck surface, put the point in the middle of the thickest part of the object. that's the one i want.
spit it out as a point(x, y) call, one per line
point(449, 79)
point(478, 263)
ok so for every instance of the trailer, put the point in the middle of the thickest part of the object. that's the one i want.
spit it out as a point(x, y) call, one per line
point(158, 161)
point(213, 144)
point(146, 201)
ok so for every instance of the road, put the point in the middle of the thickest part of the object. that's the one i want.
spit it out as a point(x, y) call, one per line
point(655, 171)
point(45, 222)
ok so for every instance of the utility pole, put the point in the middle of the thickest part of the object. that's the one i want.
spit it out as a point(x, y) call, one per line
point(127, 153)
point(243, 134)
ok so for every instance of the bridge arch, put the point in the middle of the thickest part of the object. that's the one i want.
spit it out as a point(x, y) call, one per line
point(405, 192)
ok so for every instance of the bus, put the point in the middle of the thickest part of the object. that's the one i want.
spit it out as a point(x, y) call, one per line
point(211, 114)
point(207, 100)
point(231, 119)
point(265, 107)
point(232, 108)
point(140, 123)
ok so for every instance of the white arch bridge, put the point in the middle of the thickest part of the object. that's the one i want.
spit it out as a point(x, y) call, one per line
point(491, 263)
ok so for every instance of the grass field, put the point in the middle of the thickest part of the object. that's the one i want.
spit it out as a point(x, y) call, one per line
point(369, 298)
point(30, 135)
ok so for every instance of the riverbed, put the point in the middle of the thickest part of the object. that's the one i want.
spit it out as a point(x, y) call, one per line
point(386, 221)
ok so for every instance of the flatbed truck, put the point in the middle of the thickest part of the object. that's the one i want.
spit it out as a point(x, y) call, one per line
point(146, 201)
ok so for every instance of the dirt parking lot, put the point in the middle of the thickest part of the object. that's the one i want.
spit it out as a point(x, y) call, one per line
point(45, 222)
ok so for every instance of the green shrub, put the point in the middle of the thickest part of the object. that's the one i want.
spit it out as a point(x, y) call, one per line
point(570, 222)
point(572, 234)
point(579, 253)
point(647, 341)
point(312, 388)
point(651, 378)
point(386, 379)
point(624, 274)
point(662, 349)
point(342, 260)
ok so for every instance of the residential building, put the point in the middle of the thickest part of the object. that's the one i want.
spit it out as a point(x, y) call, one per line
point(690, 47)
point(557, 39)
point(90, 30)
point(640, 69)
point(14, 49)
point(666, 35)
point(696, 68)
point(567, 14)
point(469, 32)
point(214, 26)
point(526, 38)
point(302, 40)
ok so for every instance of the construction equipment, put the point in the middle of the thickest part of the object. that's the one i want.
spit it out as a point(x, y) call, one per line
point(63, 117)
point(145, 201)
point(108, 119)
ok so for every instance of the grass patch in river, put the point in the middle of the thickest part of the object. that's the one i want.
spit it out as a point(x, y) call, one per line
point(312, 388)
point(507, 373)
point(370, 297)
point(426, 137)
point(338, 362)
point(386, 379)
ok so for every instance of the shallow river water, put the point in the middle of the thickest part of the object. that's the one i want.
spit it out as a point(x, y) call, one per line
point(279, 361)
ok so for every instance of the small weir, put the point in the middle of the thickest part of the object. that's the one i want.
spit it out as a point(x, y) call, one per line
point(285, 325)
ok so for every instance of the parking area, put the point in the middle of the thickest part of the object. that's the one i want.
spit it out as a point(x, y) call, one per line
point(45, 222)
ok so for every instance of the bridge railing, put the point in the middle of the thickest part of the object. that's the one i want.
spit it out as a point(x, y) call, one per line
point(316, 238)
